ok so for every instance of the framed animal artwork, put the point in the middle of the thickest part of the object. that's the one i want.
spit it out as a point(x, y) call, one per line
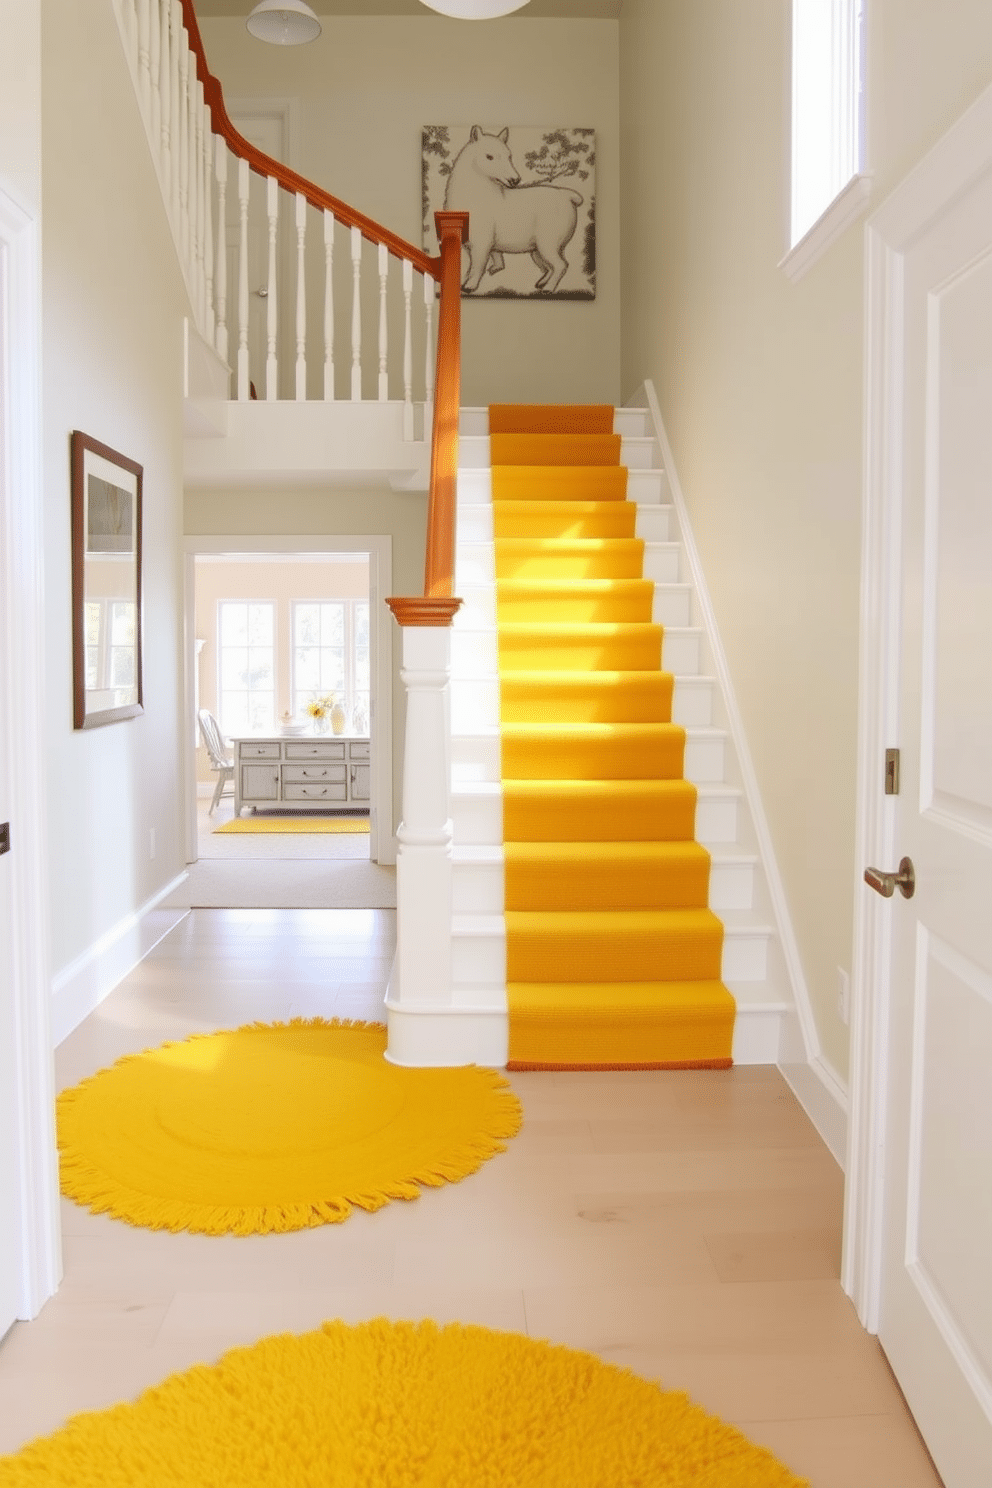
point(531, 199)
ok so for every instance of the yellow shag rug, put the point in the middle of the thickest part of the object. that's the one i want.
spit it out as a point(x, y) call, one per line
point(395, 1405)
point(291, 824)
point(273, 1127)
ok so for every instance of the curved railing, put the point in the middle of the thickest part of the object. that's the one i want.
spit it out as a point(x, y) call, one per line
point(197, 150)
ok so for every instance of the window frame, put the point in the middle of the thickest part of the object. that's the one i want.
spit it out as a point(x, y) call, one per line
point(299, 696)
point(847, 128)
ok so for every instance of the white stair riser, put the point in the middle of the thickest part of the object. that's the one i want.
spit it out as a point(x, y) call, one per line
point(475, 524)
point(654, 524)
point(672, 605)
point(474, 704)
point(633, 421)
point(477, 817)
point(692, 703)
point(473, 652)
point(705, 758)
point(475, 757)
point(475, 563)
point(716, 820)
point(648, 487)
point(662, 562)
point(478, 607)
point(731, 886)
point(477, 888)
point(681, 651)
point(479, 959)
point(636, 452)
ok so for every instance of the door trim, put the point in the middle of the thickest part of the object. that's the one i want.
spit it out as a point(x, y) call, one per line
point(379, 547)
point(930, 189)
point(22, 703)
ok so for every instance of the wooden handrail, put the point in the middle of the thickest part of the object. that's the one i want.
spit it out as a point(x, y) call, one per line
point(438, 605)
point(265, 165)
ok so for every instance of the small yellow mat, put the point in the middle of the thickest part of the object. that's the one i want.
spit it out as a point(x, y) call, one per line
point(400, 1405)
point(273, 1127)
point(260, 824)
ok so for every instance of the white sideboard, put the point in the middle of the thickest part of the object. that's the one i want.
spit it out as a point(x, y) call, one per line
point(332, 772)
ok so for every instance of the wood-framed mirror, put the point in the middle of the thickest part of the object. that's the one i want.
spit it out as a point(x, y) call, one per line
point(106, 584)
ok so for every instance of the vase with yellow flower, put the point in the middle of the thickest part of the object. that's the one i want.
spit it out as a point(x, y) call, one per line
point(319, 710)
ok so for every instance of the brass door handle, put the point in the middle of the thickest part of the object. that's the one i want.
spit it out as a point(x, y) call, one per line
point(886, 883)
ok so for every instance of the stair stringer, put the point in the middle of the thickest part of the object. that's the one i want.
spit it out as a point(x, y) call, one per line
point(755, 966)
point(817, 1085)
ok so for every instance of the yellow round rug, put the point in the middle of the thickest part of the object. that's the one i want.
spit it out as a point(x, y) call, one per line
point(273, 1127)
point(400, 1405)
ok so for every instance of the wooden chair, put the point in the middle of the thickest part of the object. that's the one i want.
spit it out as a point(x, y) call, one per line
point(213, 741)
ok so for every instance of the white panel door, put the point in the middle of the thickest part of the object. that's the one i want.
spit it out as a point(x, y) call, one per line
point(935, 1319)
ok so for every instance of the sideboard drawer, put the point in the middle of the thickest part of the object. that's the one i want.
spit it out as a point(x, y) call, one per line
point(315, 792)
point(313, 774)
point(259, 751)
point(359, 749)
point(324, 749)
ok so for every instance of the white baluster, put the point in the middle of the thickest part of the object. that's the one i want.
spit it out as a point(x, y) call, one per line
point(407, 350)
point(144, 54)
point(208, 221)
point(165, 97)
point(220, 279)
point(244, 388)
point(328, 306)
point(356, 315)
point(196, 165)
point(154, 65)
point(383, 332)
point(429, 354)
point(272, 321)
point(301, 298)
point(179, 49)
point(184, 62)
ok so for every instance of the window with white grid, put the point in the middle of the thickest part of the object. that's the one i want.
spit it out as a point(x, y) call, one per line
point(247, 665)
point(331, 657)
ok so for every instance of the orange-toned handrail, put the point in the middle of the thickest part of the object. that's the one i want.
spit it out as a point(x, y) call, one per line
point(438, 604)
point(265, 165)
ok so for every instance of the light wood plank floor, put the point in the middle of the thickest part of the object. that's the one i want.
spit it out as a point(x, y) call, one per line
point(684, 1224)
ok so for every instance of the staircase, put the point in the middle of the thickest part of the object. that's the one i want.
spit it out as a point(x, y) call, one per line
point(752, 964)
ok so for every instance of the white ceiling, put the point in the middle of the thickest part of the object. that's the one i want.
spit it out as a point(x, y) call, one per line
point(561, 10)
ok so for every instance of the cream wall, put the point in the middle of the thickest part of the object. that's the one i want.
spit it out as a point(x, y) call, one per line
point(112, 366)
point(281, 582)
point(329, 514)
point(760, 384)
point(364, 89)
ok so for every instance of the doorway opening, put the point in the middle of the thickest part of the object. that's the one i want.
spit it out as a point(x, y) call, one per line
point(275, 635)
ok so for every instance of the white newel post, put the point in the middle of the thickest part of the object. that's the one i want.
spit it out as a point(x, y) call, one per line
point(423, 861)
point(421, 982)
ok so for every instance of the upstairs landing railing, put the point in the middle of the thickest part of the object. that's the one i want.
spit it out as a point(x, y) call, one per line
point(303, 296)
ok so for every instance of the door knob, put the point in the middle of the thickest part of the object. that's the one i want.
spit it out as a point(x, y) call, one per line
point(886, 883)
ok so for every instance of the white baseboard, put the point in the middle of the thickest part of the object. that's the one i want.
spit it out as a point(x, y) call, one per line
point(823, 1096)
point(82, 985)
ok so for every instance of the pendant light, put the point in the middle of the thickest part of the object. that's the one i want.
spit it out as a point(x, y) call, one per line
point(283, 22)
point(475, 10)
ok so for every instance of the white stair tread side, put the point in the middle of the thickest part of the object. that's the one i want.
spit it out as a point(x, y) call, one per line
point(653, 523)
point(682, 649)
point(672, 606)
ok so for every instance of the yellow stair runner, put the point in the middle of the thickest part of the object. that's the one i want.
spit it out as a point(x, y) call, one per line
point(613, 958)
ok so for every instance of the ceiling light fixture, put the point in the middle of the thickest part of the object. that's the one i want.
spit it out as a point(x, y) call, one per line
point(283, 22)
point(475, 10)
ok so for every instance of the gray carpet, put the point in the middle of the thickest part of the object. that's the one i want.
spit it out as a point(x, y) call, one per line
point(288, 884)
